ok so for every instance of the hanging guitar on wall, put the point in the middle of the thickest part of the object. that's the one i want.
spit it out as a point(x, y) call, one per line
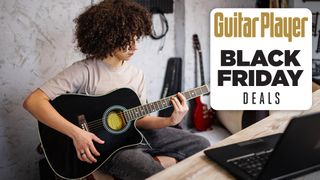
point(202, 113)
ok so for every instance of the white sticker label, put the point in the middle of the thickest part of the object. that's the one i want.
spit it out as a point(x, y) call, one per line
point(261, 59)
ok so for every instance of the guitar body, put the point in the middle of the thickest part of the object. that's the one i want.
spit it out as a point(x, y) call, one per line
point(90, 113)
point(202, 115)
point(111, 117)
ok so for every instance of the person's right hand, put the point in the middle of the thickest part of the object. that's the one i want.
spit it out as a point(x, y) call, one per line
point(83, 142)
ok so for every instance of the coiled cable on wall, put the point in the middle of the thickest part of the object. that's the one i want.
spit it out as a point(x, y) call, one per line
point(164, 27)
point(163, 21)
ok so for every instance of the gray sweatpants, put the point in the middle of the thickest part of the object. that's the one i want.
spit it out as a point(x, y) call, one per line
point(138, 163)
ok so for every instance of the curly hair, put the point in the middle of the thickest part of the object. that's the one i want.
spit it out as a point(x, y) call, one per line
point(110, 25)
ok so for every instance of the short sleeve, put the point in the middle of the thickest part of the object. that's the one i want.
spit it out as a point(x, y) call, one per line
point(68, 81)
point(142, 92)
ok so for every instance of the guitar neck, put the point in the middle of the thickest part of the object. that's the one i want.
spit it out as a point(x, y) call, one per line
point(201, 68)
point(140, 111)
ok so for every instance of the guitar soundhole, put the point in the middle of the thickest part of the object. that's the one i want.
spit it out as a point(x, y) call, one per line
point(115, 120)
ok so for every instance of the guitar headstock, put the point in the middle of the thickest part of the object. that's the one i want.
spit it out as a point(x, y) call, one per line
point(196, 42)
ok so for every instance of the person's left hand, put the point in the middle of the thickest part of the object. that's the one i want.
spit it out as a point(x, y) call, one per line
point(180, 109)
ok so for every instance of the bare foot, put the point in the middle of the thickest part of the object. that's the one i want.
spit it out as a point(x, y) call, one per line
point(166, 161)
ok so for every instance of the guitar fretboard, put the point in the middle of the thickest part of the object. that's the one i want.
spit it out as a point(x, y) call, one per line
point(140, 111)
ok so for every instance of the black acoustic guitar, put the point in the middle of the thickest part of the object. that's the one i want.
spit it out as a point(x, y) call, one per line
point(111, 117)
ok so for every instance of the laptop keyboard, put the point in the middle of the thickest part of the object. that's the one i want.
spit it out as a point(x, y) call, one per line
point(253, 163)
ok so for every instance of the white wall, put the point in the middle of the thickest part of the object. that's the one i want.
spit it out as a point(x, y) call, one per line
point(197, 21)
point(36, 42)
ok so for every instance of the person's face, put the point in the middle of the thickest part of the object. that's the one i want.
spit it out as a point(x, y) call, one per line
point(126, 54)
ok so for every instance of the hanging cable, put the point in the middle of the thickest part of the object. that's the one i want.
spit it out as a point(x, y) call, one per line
point(163, 21)
point(164, 27)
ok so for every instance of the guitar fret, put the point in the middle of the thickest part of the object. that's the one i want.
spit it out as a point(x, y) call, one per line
point(138, 114)
point(201, 90)
point(156, 106)
point(144, 110)
point(135, 113)
point(127, 115)
point(198, 91)
point(168, 102)
point(205, 89)
point(192, 93)
point(159, 105)
point(164, 103)
point(141, 111)
point(148, 109)
point(151, 107)
point(188, 96)
point(132, 114)
point(124, 115)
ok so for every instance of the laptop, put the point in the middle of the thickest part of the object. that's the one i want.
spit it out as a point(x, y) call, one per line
point(292, 153)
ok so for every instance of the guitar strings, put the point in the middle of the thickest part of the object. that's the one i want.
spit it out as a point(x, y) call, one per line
point(123, 113)
point(97, 124)
point(98, 120)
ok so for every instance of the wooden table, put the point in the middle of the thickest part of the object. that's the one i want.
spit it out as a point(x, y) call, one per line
point(199, 166)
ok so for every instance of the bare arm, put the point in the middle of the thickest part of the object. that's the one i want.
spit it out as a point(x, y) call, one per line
point(37, 103)
point(154, 122)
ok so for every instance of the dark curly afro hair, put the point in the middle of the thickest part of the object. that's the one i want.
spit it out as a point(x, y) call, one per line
point(110, 25)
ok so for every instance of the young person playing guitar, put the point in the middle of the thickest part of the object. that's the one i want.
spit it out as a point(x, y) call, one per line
point(107, 34)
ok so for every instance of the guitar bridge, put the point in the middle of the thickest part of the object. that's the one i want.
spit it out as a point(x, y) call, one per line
point(83, 122)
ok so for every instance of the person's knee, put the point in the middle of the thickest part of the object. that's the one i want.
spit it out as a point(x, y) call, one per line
point(133, 164)
point(202, 143)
